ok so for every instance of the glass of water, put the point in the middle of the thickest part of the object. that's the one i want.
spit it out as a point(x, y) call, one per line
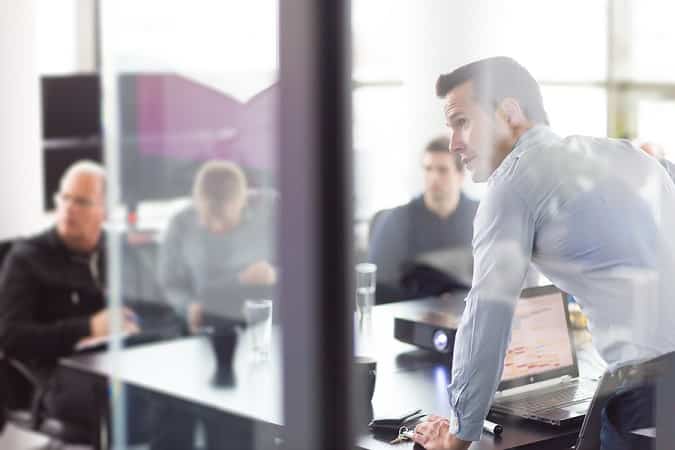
point(365, 289)
point(258, 315)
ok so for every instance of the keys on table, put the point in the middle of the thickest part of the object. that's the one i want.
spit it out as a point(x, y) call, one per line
point(404, 434)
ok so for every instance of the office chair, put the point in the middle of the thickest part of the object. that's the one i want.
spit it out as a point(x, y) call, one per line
point(652, 371)
point(5, 247)
point(377, 218)
point(31, 415)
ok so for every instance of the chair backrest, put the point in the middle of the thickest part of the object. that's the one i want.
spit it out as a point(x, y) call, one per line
point(5, 247)
point(632, 375)
point(377, 217)
point(4, 400)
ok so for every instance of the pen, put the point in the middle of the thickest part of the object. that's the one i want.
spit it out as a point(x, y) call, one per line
point(492, 428)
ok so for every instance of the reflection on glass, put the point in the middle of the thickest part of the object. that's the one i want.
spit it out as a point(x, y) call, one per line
point(191, 137)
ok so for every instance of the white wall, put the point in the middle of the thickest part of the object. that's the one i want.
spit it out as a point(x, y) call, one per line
point(20, 147)
point(443, 35)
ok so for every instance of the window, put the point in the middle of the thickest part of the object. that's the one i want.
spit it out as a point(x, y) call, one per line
point(400, 48)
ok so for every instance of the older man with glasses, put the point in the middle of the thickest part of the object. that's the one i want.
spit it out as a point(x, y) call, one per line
point(52, 292)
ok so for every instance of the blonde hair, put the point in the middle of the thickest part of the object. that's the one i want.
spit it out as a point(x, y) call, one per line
point(217, 184)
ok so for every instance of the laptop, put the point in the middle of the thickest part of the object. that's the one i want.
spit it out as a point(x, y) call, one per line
point(540, 381)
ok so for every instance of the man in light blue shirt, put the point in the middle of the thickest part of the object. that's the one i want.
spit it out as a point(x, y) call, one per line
point(595, 216)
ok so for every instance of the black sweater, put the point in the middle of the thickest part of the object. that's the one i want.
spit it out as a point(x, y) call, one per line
point(47, 296)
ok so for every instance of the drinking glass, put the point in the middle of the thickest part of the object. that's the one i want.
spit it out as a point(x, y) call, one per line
point(258, 315)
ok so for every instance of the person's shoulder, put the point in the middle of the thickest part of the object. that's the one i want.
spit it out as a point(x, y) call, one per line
point(467, 201)
point(415, 202)
point(388, 220)
point(401, 213)
point(262, 200)
point(181, 225)
point(185, 216)
point(262, 205)
point(43, 241)
point(580, 145)
point(34, 247)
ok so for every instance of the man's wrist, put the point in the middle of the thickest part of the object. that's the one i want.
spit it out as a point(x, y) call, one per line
point(457, 443)
point(92, 326)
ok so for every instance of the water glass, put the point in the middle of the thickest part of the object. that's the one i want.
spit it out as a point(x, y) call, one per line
point(258, 315)
point(365, 288)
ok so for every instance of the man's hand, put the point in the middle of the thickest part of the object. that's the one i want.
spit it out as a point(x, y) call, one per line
point(99, 323)
point(434, 434)
point(258, 273)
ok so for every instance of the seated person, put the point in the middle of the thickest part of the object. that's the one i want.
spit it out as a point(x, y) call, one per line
point(52, 293)
point(219, 249)
point(440, 219)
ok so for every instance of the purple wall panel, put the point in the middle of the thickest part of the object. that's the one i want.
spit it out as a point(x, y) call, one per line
point(183, 119)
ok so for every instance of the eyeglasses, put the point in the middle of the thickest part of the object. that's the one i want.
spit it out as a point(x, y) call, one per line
point(80, 202)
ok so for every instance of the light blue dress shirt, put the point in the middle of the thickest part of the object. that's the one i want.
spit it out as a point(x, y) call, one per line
point(595, 216)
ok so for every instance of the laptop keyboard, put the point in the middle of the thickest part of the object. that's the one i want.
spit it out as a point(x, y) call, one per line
point(540, 401)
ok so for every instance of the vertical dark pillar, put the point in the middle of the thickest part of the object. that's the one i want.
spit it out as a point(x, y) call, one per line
point(315, 240)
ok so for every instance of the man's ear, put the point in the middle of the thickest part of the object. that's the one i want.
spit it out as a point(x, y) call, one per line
point(509, 109)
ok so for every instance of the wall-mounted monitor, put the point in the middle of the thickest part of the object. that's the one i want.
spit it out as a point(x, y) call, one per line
point(71, 106)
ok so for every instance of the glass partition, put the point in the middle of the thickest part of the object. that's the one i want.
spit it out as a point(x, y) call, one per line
point(287, 296)
point(191, 101)
point(458, 218)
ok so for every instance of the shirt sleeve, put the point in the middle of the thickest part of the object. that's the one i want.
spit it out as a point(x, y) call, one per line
point(502, 248)
point(21, 335)
point(173, 270)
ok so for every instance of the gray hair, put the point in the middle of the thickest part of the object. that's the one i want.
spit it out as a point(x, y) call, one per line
point(84, 166)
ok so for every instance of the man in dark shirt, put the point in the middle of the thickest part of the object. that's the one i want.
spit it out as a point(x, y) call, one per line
point(52, 292)
point(439, 220)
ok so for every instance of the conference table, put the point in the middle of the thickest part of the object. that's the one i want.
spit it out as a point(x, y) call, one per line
point(407, 378)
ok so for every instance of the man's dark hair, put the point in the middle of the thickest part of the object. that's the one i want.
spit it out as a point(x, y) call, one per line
point(441, 144)
point(495, 79)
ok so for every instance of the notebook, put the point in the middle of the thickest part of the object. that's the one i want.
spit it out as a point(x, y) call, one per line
point(540, 380)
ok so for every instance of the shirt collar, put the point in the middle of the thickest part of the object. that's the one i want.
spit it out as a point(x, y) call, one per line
point(58, 242)
point(537, 136)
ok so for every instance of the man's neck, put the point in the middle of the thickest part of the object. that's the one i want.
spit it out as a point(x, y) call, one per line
point(519, 131)
point(442, 208)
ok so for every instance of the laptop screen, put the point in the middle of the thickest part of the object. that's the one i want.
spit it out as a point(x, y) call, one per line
point(541, 345)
